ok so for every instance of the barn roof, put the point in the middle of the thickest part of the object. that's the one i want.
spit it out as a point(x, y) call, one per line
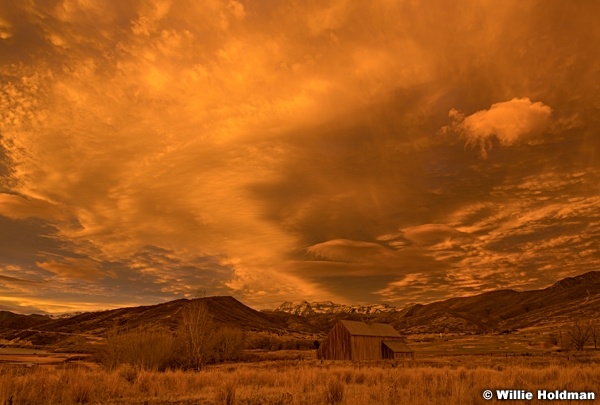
point(370, 329)
point(397, 346)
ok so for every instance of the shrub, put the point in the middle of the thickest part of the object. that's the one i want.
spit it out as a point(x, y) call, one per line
point(82, 390)
point(553, 339)
point(334, 391)
point(265, 342)
point(226, 393)
point(141, 348)
point(225, 344)
point(128, 373)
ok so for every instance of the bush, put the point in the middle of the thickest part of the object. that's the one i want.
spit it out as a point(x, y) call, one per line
point(553, 339)
point(147, 349)
point(334, 391)
point(225, 344)
point(128, 373)
point(226, 393)
point(266, 342)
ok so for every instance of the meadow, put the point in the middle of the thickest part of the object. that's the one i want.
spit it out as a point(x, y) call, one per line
point(296, 379)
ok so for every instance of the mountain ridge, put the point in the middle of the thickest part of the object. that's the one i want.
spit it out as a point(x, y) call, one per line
point(575, 297)
point(305, 308)
point(568, 300)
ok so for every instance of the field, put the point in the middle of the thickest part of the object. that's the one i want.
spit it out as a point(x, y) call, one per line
point(32, 357)
point(531, 340)
point(447, 368)
point(296, 377)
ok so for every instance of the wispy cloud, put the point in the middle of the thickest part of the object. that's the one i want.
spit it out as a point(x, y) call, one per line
point(292, 150)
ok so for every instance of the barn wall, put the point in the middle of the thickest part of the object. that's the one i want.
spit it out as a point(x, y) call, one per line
point(341, 345)
point(404, 355)
point(366, 348)
point(336, 345)
point(389, 354)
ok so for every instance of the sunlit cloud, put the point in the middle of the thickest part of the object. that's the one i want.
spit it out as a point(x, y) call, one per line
point(517, 120)
point(293, 150)
point(6, 30)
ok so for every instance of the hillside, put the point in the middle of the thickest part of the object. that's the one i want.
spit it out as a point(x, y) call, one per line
point(570, 299)
point(92, 326)
point(574, 298)
point(11, 320)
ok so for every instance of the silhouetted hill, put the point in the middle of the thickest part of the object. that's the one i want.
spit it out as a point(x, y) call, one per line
point(570, 299)
point(223, 311)
point(586, 280)
point(567, 300)
point(230, 312)
point(12, 320)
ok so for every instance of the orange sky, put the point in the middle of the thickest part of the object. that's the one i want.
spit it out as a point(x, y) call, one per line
point(360, 152)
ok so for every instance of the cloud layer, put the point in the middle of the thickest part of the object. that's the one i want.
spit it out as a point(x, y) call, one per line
point(275, 151)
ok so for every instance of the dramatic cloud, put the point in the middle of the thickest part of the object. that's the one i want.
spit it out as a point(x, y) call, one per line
point(294, 150)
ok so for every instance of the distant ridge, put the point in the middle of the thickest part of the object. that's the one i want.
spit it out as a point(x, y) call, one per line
point(566, 300)
point(582, 280)
point(43, 330)
point(223, 310)
point(573, 298)
point(9, 319)
point(570, 299)
point(304, 308)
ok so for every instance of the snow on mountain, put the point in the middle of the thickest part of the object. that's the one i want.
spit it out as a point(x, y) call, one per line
point(304, 308)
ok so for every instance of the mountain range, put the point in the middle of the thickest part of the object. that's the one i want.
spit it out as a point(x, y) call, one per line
point(571, 299)
point(304, 308)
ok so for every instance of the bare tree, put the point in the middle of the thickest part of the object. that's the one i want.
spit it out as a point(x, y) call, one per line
point(194, 329)
point(579, 334)
point(595, 331)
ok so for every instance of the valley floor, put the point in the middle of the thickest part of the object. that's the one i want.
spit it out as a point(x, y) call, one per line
point(428, 379)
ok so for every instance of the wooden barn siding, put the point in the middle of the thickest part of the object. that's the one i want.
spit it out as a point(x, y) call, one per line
point(369, 347)
point(389, 354)
point(337, 344)
point(341, 345)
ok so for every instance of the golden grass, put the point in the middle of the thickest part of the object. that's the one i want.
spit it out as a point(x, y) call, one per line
point(441, 380)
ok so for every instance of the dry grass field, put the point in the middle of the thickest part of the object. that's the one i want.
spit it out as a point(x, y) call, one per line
point(425, 380)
